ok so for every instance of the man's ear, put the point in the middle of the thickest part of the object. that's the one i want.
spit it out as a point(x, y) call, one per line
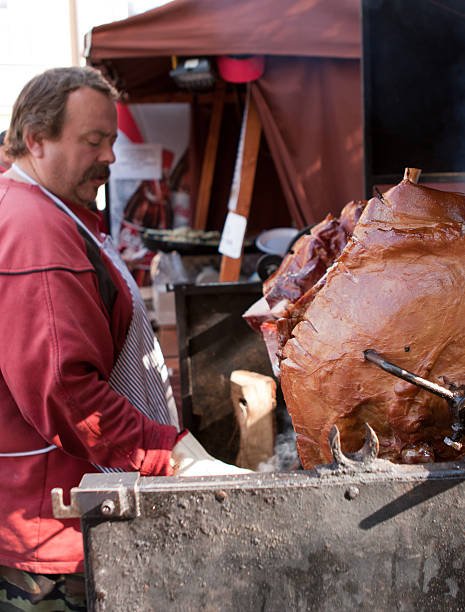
point(34, 142)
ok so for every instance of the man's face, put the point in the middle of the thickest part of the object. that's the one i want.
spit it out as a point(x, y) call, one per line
point(77, 164)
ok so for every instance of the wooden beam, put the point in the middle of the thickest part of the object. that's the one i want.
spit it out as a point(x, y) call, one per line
point(209, 161)
point(230, 268)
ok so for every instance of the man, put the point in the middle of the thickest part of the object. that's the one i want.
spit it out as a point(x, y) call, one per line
point(4, 161)
point(83, 385)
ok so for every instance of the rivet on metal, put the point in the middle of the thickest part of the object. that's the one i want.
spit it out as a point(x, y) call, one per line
point(107, 507)
point(352, 493)
point(220, 496)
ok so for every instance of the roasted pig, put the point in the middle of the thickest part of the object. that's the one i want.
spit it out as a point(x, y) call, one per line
point(397, 288)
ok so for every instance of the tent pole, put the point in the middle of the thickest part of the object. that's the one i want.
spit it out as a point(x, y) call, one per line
point(230, 268)
point(73, 30)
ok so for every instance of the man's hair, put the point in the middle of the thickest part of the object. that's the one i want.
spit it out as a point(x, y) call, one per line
point(41, 104)
point(2, 138)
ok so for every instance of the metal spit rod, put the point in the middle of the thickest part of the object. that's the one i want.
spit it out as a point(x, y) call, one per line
point(376, 358)
point(455, 399)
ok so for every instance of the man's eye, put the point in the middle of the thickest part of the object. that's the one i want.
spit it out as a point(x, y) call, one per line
point(94, 144)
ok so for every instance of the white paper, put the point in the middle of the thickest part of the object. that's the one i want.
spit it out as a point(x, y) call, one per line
point(140, 161)
point(232, 237)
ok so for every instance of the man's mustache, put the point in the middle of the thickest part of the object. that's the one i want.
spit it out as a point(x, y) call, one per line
point(100, 171)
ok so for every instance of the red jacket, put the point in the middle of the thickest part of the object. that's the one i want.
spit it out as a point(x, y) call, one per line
point(61, 330)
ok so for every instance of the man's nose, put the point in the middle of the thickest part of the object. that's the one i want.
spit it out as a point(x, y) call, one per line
point(106, 154)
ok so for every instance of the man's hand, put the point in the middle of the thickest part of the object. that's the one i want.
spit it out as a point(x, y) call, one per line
point(191, 459)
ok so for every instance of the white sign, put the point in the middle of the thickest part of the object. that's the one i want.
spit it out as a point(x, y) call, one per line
point(232, 237)
point(138, 161)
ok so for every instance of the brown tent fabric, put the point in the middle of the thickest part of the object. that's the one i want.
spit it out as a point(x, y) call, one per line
point(313, 126)
point(318, 28)
point(309, 97)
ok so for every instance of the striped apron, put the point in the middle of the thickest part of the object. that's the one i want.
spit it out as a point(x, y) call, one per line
point(140, 373)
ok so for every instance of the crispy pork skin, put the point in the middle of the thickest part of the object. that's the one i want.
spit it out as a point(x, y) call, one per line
point(311, 255)
point(398, 288)
point(290, 289)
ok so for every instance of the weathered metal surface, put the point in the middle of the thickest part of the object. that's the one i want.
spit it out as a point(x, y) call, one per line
point(354, 535)
point(111, 495)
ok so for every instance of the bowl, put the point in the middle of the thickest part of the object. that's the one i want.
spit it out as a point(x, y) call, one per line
point(276, 241)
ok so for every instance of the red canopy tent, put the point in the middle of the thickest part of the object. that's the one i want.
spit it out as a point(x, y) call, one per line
point(309, 98)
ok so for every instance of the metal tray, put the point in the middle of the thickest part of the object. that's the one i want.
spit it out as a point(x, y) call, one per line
point(157, 240)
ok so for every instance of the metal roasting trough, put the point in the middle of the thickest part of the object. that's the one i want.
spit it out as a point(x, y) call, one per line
point(358, 534)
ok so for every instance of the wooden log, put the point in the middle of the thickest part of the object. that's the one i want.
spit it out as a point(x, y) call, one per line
point(254, 399)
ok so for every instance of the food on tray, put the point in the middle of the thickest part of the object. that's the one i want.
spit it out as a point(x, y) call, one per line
point(184, 234)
